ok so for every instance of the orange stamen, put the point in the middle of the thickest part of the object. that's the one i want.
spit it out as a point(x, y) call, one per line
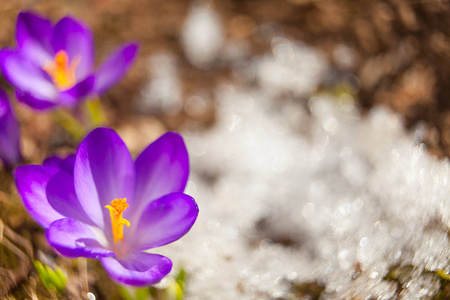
point(62, 73)
point(116, 208)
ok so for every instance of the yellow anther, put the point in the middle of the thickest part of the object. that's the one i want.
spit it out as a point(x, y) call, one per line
point(61, 72)
point(116, 208)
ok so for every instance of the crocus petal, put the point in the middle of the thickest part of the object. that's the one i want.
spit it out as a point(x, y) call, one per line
point(114, 68)
point(77, 93)
point(104, 171)
point(9, 133)
point(163, 221)
point(73, 238)
point(62, 197)
point(31, 182)
point(65, 164)
point(77, 40)
point(68, 163)
point(35, 102)
point(162, 168)
point(139, 269)
point(53, 161)
point(33, 34)
point(25, 76)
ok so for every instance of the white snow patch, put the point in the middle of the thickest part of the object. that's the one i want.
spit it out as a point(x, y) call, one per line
point(202, 35)
point(163, 92)
point(292, 192)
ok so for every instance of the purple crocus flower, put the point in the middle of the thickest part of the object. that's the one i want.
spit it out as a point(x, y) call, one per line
point(9, 133)
point(103, 205)
point(54, 64)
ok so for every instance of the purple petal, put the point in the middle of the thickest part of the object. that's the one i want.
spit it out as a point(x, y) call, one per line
point(103, 171)
point(33, 34)
point(53, 161)
point(31, 182)
point(139, 269)
point(77, 93)
point(65, 164)
point(62, 197)
point(9, 133)
point(163, 221)
point(68, 163)
point(35, 102)
point(114, 68)
point(27, 77)
point(76, 39)
point(73, 238)
point(162, 168)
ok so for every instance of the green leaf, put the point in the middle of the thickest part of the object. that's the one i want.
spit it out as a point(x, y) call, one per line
point(52, 279)
point(132, 293)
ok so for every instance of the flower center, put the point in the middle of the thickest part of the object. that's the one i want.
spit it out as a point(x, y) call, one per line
point(116, 208)
point(62, 73)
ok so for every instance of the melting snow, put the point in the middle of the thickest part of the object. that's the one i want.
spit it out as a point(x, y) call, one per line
point(294, 188)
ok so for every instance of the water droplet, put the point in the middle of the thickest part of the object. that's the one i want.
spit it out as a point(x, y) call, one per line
point(363, 242)
point(91, 296)
point(80, 244)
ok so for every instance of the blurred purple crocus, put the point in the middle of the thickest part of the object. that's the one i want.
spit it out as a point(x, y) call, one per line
point(53, 65)
point(103, 205)
point(9, 133)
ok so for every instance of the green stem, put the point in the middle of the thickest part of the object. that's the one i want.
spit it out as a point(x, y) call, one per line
point(443, 274)
point(69, 123)
point(96, 112)
point(92, 115)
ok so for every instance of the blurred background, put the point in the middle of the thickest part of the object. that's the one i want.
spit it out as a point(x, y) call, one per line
point(294, 111)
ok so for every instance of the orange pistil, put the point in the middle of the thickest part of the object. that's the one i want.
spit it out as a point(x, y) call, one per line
point(62, 73)
point(117, 207)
